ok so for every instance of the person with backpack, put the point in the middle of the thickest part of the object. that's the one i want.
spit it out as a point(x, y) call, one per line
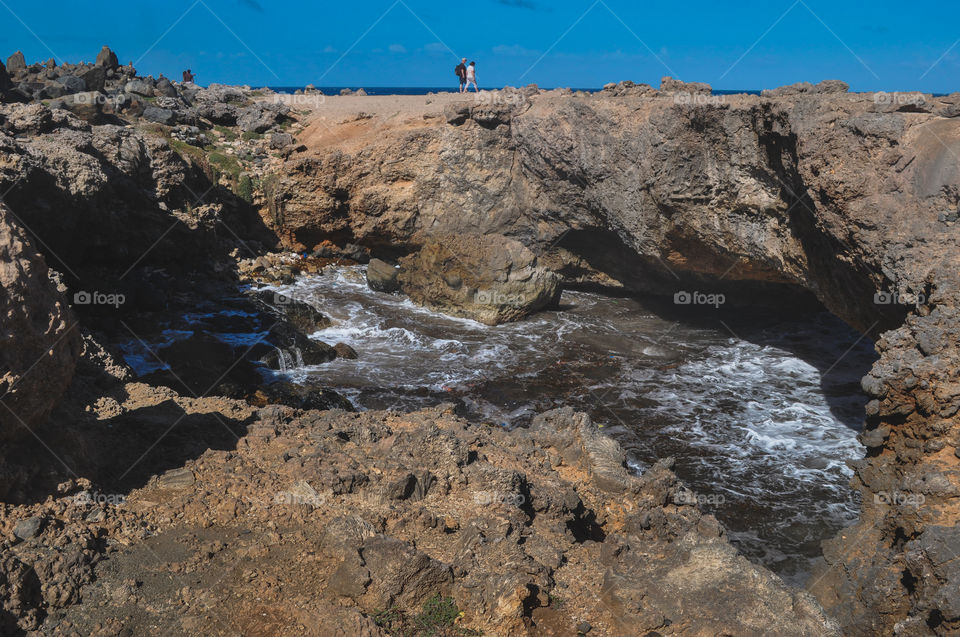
point(461, 72)
point(471, 78)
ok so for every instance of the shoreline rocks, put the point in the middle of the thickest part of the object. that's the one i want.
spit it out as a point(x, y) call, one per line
point(489, 278)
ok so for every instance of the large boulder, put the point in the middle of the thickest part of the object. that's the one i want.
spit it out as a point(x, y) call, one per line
point(166, 88)
point(107, 58)
point(73, 84)
point(489, 278)
point(382, 277)
point(160, 115)
point(95, 77)
point(41, 342)
point(218, 113)
point(140, 86)
point(260, 118)
point(16, 62)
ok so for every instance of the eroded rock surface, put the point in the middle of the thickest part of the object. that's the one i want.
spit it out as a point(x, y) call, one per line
point(852, 197)
point(489, 278)
point(41, 342)
point(318, 522)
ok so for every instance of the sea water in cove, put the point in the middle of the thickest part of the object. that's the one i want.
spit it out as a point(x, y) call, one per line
point(760, 415)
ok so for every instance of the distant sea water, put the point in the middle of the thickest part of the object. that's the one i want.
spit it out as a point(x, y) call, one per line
point(423, 90)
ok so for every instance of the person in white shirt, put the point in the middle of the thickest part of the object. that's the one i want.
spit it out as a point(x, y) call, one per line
point(471, 77)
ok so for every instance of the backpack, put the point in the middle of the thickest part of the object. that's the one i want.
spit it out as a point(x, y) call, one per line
point(457, 70)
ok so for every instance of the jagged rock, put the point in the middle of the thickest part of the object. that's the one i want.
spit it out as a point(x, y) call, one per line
point(670, 85)
point(279, 141)
point(160, 115)
point(107, 58)
point(52, 91)
point(139, 87)
point(72, 83)
point(260, 118)
point(218, 112)
point(382, 277)
point(36, 317)
point(165, 88)
point(16, 62)
point(489, 278)
point(95, 78)
point(222, 93)
point(5, 82)
point(87, 106)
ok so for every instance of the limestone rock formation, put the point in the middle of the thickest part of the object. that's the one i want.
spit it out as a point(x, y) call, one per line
point(489, 278)
point(42, 342)
point(852, 197)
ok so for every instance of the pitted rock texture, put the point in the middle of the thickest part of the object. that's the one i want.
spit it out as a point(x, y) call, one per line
point(318, 522)
point(41, 342)
point(489, 278)
point(854, 198)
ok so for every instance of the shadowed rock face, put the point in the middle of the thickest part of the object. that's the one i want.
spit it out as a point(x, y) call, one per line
point(852, 197)
point(41, 344)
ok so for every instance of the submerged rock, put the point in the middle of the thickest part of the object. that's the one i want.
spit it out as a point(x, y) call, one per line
point(382, 277)
point(489, 278)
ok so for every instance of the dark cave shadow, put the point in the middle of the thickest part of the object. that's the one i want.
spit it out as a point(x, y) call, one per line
point(118, 454)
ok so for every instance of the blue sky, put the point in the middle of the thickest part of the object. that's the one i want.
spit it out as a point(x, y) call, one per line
point(882, 45)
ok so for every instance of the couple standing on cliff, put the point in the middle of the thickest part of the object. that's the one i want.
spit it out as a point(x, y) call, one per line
point(467, 75)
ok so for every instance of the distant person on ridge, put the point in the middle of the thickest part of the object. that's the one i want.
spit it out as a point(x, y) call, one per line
point(462, 74)
point(471, 78)
point(188, 76)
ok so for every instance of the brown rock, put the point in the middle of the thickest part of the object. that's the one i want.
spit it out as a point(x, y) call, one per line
point(42, 342)
point(489, 278)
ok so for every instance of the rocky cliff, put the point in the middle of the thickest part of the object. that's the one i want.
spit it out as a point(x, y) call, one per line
point(853, 198)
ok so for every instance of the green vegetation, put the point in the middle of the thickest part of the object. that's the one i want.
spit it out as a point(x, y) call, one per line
point(189, 153)
point(228, 134)
point(245, 188)
point(249, 136)
point(223, 164)
point(556, 602)
point(437, 619)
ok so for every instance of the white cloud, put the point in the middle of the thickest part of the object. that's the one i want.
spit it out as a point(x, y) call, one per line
point(397, 48)
point(329, 49)
point(435, 47)
point(514, 49)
